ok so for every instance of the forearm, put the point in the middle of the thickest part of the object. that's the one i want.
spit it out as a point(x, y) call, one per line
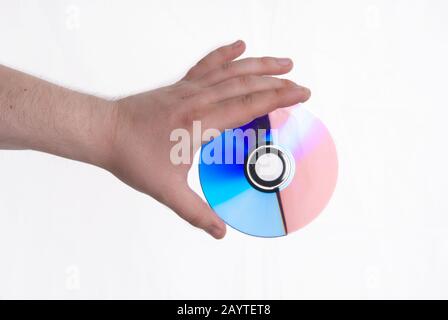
point(38, 115)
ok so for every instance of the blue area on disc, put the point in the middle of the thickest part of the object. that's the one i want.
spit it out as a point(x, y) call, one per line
point(227, 190)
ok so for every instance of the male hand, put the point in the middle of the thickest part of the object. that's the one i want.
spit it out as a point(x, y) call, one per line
point(218, 91)
point(131, 137)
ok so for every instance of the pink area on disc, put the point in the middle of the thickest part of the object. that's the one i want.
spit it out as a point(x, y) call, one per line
point(316, 165)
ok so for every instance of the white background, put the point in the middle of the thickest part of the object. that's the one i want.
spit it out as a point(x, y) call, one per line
point(378, 73)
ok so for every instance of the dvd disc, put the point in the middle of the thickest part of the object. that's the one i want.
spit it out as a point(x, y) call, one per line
point(271, 176)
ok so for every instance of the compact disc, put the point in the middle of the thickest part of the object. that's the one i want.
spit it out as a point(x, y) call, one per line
point(271, 176)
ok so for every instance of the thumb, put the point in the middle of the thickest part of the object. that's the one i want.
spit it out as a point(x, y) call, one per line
point(189, 206)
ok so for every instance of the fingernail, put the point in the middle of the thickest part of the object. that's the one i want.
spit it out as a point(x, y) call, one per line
point(236, 44)
point(284, 61)
point(308, 91)
point(303, 90)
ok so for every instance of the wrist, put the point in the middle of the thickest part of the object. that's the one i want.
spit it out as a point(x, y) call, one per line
point(95, 143)
point(80, 129)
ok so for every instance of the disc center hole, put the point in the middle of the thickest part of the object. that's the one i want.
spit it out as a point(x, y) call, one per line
point(269, 167)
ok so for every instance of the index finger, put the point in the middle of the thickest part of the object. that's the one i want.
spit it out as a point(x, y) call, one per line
point(236, 112)
point(215, 59)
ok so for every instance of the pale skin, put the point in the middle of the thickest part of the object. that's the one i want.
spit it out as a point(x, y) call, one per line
point(130, 137)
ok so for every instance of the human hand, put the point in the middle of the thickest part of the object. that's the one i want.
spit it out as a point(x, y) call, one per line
point(218, 91)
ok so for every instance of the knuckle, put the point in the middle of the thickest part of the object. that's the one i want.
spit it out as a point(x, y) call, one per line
point(196, 220)
point(277, 93)
point(186, 117)
point(186, 120)
point(193, 114)
point(190, 73)
point(222, 51)
point(286, 83)
point(247, 99)
point(276, 98)
point(245, 80)
point(226, 66)
point(265, 61)
point(202, 61)
point(201, 64)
